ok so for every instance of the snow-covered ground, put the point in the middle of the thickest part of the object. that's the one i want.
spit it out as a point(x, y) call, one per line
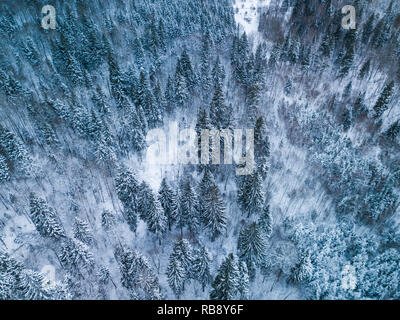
point(247, 13)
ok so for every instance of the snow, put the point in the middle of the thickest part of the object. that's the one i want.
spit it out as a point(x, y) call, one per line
point(247, 13)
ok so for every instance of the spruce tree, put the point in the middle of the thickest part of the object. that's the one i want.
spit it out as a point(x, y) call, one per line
point(166, 197)
point(220, 113)
point(250, 194)
point(181, 87)
point(4, 170)
point(205, 63)
point(127, 190)
point(137, 275)
point(393, 131)
point(44, 218)
point(252, 247)
point(265, 221)
point(82, 231)
point(156, 219)
point(183, 251)
point(31, 286)
point(213, 214)
point(181, 264)
point(226, 284)
point(176, 276)
point(304, 270)
point(243, 281)
point(76, 256)
point(201, 266)
point(365, 69)
point(190, 207)
point(261, 147)
point(14, 150)
point(107, 220)
point(382, 104)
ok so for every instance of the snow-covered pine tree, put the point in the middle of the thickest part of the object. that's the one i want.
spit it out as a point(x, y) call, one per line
point(4, 170)
point(76, 257)
point(220, 112)
point(82, 231)
point(166, 197)
point(201, 266)
point(127, 189)
point(226, 284)
point(265, 221)
point(156, 219)
point(31, 286)
point(107, 220)
point(250, 194)
point(213, 213)
point(181, 89)
point(145, 197)
point(244, 289)
point(205, 62)
point(176, 276)
point(252, 247)
point(14, 150)
point(190, 207)
point(183, 253)
point(382, 103)
point(137, 275)
point(304, 270)
point(44, 218)
point(261, 147)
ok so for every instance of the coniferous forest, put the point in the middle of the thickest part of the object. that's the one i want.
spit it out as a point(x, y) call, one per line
point(86, 214)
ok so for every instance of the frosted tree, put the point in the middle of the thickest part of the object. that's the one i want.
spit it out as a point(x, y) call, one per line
point(180, 86)
point(207, 181)
point(304, 270)
point(44, 218)
point(4, 170)
point(18, 283)
point(145, 100)
point(213, 213)
point(226, 284)
point(186, 70)
point(252, 247)
point(190, 207)
point(170, 96)
point(265, 221)
point(76, 256)
point(82, 231)
point(382, 103)
point(107, 220)
point(220, 112)
point(392, 132)
point(145, 197)
point(137, 275)
point(251, 195)
point(31, 286)
point(156, 219)
point(244, 289)
point(166, 197)
point(176, 276)
point(201, 266)
point(184, 255)
point(218, 73)
point(14, 150)
point(365, 69)
point(127, 189)
point(205, 63)
point(261, 147)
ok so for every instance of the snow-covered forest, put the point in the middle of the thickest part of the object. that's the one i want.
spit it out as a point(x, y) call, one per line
point(85, 214)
